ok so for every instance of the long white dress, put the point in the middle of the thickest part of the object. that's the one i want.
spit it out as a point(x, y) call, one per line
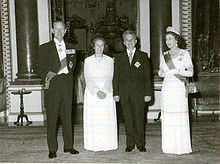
point(100, 123)
point(174, 108)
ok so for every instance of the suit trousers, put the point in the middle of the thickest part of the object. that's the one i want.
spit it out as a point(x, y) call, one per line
point(133, 110)
point(58, 100)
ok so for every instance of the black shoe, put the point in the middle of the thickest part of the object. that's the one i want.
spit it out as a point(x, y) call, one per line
point(52, 155)
point(142, 149)
point(128, 149)
point(71, 151)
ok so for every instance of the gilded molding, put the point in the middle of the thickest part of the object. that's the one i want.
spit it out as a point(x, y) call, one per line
point(186, 22)
point(6, 48)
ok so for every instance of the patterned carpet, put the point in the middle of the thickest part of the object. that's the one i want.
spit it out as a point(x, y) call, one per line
point(29, 145)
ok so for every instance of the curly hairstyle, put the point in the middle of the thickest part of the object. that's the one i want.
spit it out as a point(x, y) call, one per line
point(181, 42)
point(92, 44)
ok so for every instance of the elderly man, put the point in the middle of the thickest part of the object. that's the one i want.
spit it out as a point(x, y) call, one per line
point(132, 87)
point(55, 65)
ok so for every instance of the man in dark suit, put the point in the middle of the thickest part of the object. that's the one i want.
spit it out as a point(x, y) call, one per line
point(55, 65)
point(132, 87)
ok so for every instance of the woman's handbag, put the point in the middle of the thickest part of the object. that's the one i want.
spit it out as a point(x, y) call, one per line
point(191, 87)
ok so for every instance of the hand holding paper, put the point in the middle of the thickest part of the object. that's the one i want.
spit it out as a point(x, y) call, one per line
point(49, 76)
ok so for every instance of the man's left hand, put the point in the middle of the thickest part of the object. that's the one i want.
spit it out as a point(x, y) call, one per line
point(147, 98)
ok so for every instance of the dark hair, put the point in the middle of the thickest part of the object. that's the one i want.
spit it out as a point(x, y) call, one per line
point(181, 42)
point(98, 38)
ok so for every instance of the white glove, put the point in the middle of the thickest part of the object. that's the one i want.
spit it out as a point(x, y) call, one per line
point(174, 71)
point(171, 72)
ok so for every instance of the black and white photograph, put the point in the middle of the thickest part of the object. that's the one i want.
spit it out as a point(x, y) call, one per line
point(110, 81)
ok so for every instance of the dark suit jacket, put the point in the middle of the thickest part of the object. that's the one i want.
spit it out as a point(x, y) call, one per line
point(132, 79)
point(48, 59)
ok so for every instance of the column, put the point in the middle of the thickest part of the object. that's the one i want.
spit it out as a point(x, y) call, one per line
point(27, 39)
point(26, 18)
point(144, 34)
point(160, 18)
point(44, 21)
point(176, 15)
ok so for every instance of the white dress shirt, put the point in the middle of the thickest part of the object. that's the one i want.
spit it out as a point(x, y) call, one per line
point(61, 49)
point(133, 51)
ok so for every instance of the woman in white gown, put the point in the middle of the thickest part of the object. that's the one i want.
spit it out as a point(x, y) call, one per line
point(100, 123)
point(175, 66)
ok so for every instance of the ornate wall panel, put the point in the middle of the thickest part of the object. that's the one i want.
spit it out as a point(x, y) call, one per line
point(6, 47)
point(186, 22)
point(207, 81)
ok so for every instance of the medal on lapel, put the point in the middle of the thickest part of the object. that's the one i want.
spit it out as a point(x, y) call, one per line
point(137, 64)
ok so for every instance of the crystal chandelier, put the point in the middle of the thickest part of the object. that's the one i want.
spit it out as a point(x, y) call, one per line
point(111, 26)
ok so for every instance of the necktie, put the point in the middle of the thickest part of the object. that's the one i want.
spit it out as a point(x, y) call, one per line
point(130, 57)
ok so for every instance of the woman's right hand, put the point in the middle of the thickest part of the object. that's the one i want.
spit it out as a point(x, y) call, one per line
point(172, 72)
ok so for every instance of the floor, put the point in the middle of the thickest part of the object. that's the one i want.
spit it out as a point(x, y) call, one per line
point(27, 144)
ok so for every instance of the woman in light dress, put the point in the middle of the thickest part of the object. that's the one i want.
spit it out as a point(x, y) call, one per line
point(175, 66)
point(100, 123)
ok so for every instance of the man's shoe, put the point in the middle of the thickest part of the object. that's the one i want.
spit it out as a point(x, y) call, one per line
point(128, 149)
point(71, 151)
point(142, 149)
point(52, 155)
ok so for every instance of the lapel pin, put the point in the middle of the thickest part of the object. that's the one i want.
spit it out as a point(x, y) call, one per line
point(137, 64)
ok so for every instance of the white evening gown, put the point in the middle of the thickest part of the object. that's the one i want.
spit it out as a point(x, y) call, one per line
point(174, 109)
point(100, 123)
